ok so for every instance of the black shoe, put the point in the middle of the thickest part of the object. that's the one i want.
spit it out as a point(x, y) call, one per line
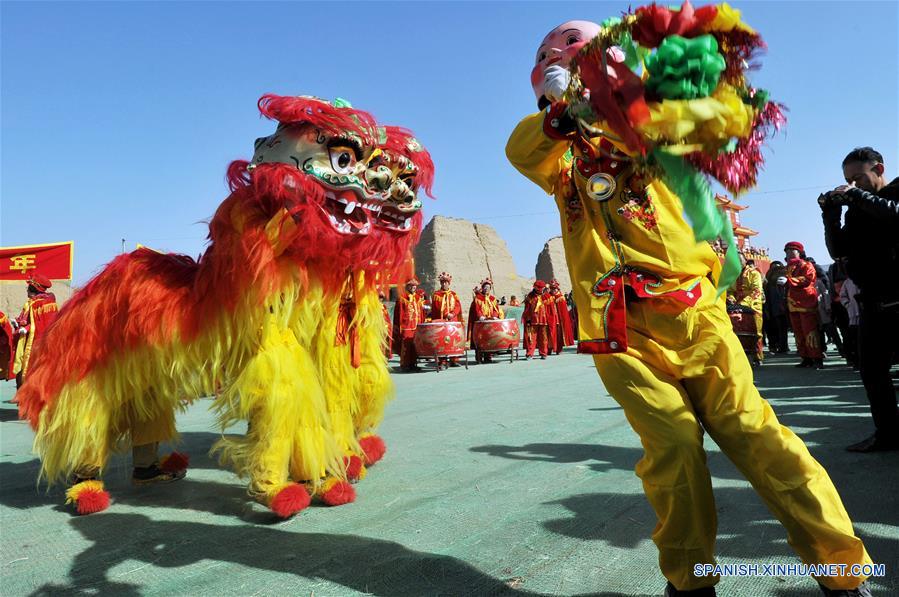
point(860, 591)
point(806, 363)
point(670, 591)
point(543, 357)
point(818, 364)
point(873, 444)
point(153, 474)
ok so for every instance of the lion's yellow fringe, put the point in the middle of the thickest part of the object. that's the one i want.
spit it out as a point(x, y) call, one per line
point(273, 364)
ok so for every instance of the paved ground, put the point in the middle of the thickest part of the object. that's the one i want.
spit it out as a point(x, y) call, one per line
point(506, 478)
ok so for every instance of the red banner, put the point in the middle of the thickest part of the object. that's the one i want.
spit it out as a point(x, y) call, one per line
point(52, 260)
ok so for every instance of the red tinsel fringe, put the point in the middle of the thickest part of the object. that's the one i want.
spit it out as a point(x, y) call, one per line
point(740, 50)
point(738, 171)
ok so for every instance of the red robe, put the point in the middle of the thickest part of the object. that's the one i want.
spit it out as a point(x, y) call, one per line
point(801, 293)
point(483, 306)
point(552, 321)
point(407, 314)
point(445, 305)
point(38, 313)
point(564, 334)
point(802, 302)
point(536, 322)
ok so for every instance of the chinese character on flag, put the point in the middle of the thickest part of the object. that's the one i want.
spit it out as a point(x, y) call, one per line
point(52, 260)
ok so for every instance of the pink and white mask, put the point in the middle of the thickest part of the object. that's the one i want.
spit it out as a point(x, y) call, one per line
point(549, 78)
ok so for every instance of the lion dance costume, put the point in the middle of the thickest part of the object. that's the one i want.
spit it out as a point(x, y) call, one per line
point(279, 319)
point(625, 156)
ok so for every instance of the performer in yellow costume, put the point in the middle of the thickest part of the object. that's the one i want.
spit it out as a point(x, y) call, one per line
point(748, 292)
point(651, 315)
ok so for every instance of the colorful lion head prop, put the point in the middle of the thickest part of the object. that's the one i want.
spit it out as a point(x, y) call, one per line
point(323, 168)
point(670, 86)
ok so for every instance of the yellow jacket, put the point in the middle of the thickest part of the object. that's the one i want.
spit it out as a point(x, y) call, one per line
point(630, 232)
point(748, 290)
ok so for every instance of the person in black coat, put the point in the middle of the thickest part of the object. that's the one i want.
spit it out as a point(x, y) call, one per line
point(868, 238)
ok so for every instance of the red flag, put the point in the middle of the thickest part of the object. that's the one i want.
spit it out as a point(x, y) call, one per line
point(51, 260)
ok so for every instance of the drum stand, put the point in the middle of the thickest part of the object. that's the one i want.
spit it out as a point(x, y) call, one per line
point(437, 357)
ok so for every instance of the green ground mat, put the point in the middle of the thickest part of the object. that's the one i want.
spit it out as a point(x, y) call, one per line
point(508, 478)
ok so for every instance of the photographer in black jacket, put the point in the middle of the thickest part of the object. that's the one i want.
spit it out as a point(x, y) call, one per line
point(869, 240)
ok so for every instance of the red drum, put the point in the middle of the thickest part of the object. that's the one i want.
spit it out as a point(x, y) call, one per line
point(496, 334)
point(439, 338)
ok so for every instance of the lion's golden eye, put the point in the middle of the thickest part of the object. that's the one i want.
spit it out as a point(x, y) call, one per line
point(343, 158)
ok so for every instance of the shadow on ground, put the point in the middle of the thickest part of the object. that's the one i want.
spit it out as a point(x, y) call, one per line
point(830, 411)
point(366, 565)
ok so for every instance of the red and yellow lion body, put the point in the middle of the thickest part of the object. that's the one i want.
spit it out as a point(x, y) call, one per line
point(279, 319)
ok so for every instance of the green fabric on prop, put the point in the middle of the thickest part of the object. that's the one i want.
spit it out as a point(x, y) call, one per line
point(684, 68)
point(609, 22)
point(758, 98)
point(701, 209)
point(634, 54)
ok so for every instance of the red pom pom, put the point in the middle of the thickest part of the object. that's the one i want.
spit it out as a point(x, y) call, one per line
point(174, 462)
point(290, 500)
point(353, 467)
point(374, 448)
point(339, 493)
point(91, 501)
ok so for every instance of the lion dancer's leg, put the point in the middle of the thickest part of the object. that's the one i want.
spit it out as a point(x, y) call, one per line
point(73, 439)
point(146, 435)
point(154, 426)
point(289, 434)
point(529, 341)
point(356, 383)
point(334, 357)
point(543, 341)
point(375, 386)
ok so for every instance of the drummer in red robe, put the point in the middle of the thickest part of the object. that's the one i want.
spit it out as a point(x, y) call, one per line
point(445, 303)
point(39, 312)
point(483, 307)
point(562, 333)
point(535, 321)
point(446, 306)
point(551, 319)
point(407, 314)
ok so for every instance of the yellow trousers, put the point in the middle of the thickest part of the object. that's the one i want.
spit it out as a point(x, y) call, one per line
point(685, 372)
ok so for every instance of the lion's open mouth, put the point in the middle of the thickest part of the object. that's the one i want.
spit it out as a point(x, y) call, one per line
point(347, 213)
point(393, 219)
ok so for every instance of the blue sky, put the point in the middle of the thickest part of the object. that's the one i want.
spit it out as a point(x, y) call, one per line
point(118, 119)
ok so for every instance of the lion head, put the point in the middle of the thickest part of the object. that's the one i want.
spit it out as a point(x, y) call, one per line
point(350, 186)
